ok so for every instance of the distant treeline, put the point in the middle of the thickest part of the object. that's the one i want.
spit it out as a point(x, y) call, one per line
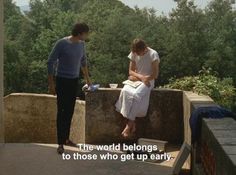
point(187, 40)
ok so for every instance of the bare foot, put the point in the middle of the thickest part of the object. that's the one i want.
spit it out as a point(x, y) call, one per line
point(129, 129)
point(126, 132)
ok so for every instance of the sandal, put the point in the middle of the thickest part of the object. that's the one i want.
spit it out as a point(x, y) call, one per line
point(70, 143)
point(60, 149)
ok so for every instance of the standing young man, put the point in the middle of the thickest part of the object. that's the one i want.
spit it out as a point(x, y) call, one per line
point(68, 56)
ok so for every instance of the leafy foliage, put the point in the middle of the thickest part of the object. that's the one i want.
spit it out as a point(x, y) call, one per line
point(186, 40)
point(221, 91)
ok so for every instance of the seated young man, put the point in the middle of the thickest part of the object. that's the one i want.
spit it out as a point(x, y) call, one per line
point(133, 102)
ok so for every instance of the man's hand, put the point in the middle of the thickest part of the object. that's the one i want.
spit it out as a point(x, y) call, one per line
point(145, 78)
point(89, 82)
point(133, 78)
point(134, 75)
point(146, 81)
point(86, 75)
point(51, 85)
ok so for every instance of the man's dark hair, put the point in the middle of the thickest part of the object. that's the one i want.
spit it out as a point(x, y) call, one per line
point(79, 28)
point(138, 45)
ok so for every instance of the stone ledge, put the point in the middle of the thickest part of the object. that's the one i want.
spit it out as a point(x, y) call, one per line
point(32, 118)
point(164, 120)
point(192, 101)
point(31, 95)
point(155, 89)
point(217, 139)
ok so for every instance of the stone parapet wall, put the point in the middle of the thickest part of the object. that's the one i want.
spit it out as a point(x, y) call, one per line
point(217, 153)
point(164, 120)
point(32, 118)
point(192, 101)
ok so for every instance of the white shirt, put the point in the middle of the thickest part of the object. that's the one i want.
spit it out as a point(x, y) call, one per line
point(144, 63)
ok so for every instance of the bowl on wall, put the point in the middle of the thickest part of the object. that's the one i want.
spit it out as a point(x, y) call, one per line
point(113, 85)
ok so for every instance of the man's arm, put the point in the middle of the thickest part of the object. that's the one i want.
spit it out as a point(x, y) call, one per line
point(134, 76)
point(155, 71)
point(86, 74)
point(51, 85)
point(54, 55)
point(84, 68)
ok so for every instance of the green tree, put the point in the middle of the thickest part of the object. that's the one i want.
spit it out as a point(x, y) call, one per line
point(221, 37)
point(186, 40)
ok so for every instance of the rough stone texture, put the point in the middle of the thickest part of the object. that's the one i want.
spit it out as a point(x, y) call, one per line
point(164, 120)
point(220, 136)
point(77, 132)
point(1, 122)
point(1, 74)
point(32, 118)
point(192, 101)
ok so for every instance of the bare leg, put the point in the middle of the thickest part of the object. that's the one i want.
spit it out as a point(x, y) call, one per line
point(133, 128)
point(129, 128)
point(126, 127)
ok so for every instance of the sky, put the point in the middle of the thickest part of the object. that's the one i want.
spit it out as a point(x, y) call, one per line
point(164, 6)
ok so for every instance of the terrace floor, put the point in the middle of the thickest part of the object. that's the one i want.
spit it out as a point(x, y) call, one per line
point(38, 159)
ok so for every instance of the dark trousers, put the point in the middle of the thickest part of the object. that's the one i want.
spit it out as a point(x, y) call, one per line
point(66, 97)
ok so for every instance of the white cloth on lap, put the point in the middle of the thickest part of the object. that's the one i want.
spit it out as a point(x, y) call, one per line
point(134, 102)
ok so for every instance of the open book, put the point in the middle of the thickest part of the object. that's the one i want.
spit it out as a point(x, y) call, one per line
point(134, 84)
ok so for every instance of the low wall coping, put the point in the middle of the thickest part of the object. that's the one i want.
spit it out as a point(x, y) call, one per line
point(155, 89)
point(41, 96)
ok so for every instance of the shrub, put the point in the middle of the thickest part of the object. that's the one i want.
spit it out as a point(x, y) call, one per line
point(221, 91)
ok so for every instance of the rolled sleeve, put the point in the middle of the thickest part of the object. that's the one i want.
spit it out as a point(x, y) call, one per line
point(155, 56)
point(131, 56)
